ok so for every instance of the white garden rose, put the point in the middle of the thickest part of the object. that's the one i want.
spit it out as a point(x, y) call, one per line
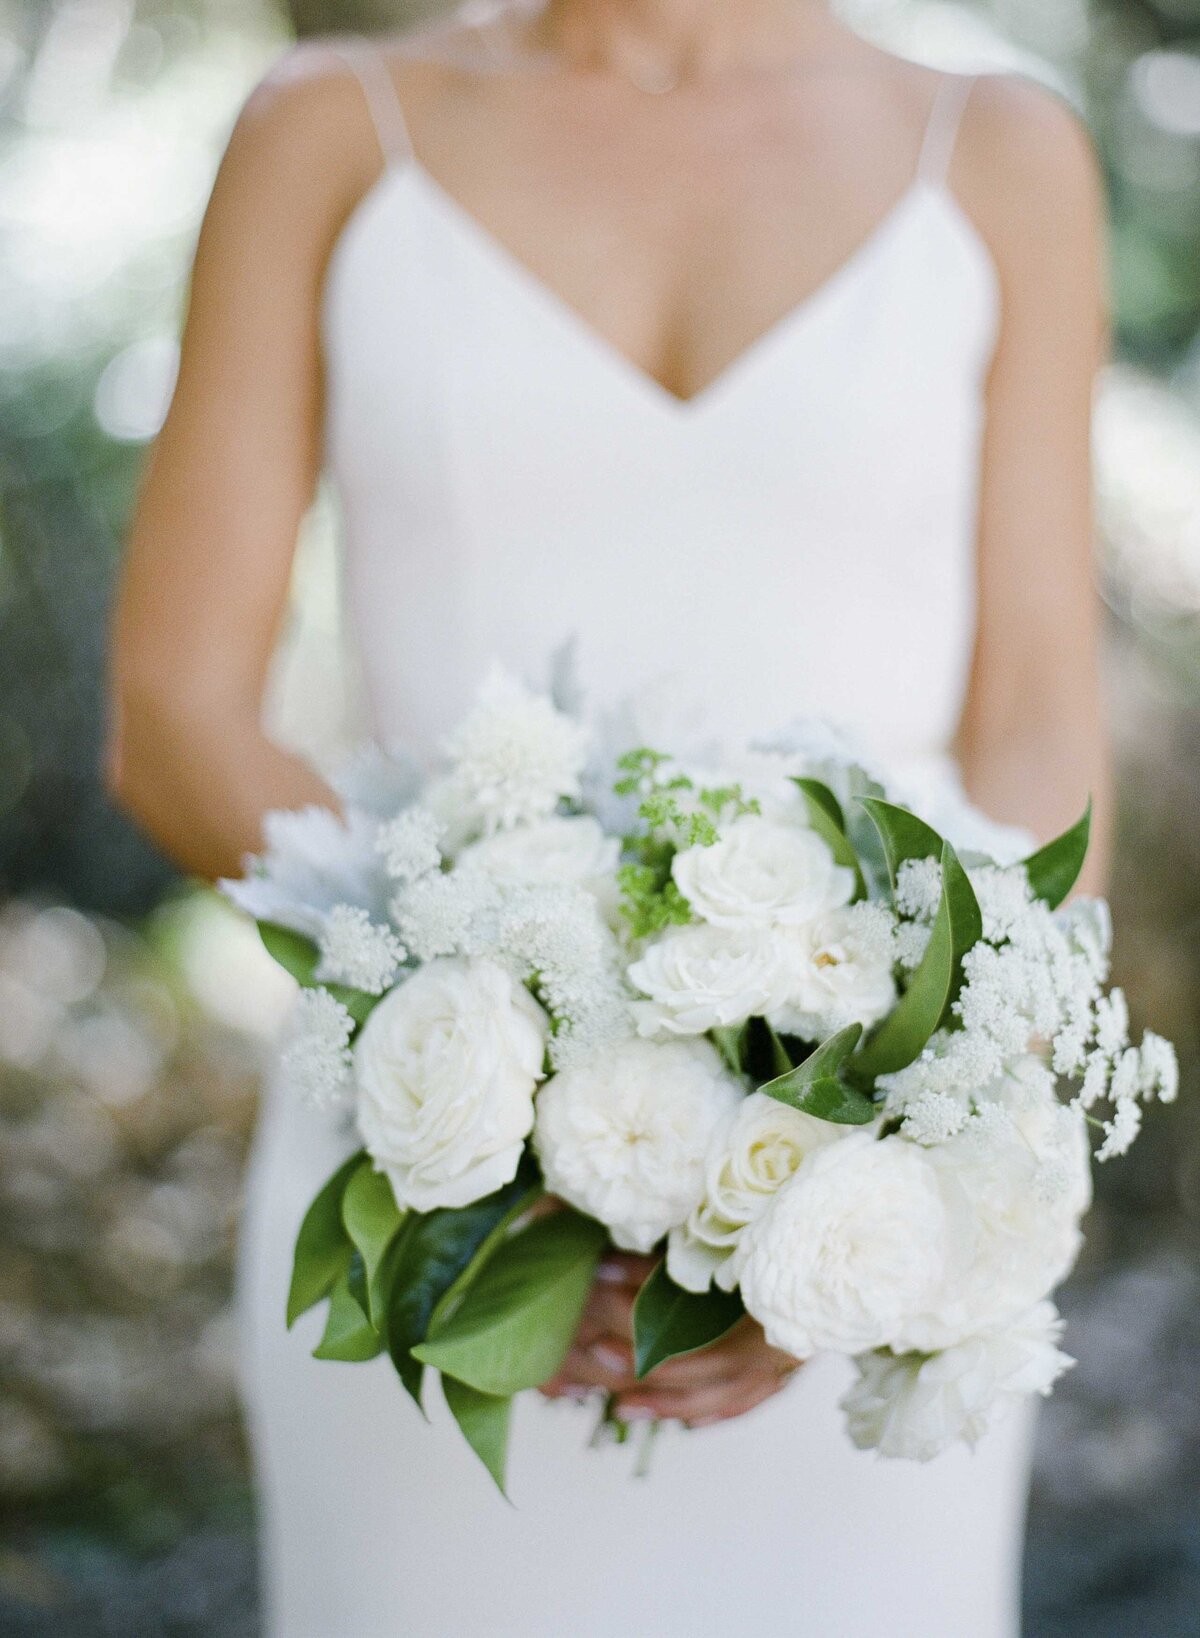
point(917, 1405)
point(858, 1241)
point(748, 1160)
point(839, 973)
point(567, 850)
point(700, 978)
point(446, 1067)
point(623, 1136)
point(764, 873)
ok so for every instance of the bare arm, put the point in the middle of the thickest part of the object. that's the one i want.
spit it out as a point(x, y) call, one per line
point(232, 474)
point(1033, 737)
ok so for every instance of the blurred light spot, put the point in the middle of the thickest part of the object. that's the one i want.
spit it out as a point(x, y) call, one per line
point(73, 67)
point(110, 1056)
point(28, 1021)
point(57, 952)
point(134, 389)
point(1148, 478)
point(1166, 86)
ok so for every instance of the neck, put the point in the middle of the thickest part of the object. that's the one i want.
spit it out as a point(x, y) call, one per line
point(676, 40)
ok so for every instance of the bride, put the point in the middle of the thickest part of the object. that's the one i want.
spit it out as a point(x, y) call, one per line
point(708, 334)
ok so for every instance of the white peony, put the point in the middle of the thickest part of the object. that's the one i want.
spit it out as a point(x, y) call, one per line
point(748, 1161)
point(762, 872)
point(624, 1136)
point(446, 1067)
point(917, 1405)
point(849, 1249)
point(568, 851)
point(513, 757)
point(699, 978)
point(1020, 1237)
point(840, 973)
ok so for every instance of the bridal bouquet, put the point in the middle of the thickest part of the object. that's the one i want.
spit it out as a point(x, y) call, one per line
point(750, 1010)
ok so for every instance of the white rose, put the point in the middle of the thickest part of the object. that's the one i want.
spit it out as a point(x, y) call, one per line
point(917, 1405)
point(700, 978)
point(446, 1067)
point(857, 1242)
point(1020, 1237)
point(840, 973)
point(624, 1136)
point(748, 1160)
point(762, 872)
point(572, 851)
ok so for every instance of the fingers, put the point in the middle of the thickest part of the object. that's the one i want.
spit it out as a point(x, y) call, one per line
point(699, 1407)
point(605, 1364)
point(724, 1380)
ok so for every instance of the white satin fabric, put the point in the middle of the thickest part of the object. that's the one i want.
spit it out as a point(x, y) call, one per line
point(796, 539)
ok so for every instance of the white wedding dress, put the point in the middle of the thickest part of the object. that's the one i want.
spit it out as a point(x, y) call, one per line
point(798, 538)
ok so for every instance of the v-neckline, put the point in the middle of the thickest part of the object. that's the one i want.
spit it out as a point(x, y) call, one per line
point(487, 244)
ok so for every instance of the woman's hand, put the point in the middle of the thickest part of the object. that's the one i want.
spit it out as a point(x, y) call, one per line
point(714, 1385)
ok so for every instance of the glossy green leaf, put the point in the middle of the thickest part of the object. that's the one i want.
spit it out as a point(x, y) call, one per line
point(514, 1325)
point(934, 985)
point(322, 1245)
point(815, 1087)
point(431, 1254)
point(299, 956)
point(669, 1321)
point(731, 1042)
point(371, 1218)
point(484, 1420)
point(349, 1334)
point(827, 819)
point(781, 1061)
point(903, 835)
point(1054, 869)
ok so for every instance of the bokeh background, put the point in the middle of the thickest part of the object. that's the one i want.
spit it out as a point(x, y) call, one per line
point(135, 1012)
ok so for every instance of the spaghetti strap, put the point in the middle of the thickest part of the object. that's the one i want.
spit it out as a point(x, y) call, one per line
point(941, 131)
point(366, 62)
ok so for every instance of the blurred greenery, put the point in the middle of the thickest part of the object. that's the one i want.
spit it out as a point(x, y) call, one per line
point(127, 1068)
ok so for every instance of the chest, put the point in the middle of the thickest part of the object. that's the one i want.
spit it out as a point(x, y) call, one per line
point(680, 236)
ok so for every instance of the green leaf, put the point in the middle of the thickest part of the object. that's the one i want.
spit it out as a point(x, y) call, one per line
point(1054, 869)
point(514, 1326)
point(433, 1251)
point(484, 1419)
point(322, 1245)
point(349, 1334)
point(299, 956)
point(730, 1042)
point(903, 835)
point(781, 1061)
point(827, 819)
point(669, 1321)
point(371, 1218)
point(815, 1087)
point(934, 985)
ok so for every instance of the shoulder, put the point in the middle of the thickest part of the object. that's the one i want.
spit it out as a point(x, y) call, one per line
point(1027, 164)
point(304, 149)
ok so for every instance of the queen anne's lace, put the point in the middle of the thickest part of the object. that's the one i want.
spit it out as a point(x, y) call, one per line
point(918, 888)
point(315, 1060)
point(357, 951)
point(552, 935)
point(409, 844)
point(1037, 975)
